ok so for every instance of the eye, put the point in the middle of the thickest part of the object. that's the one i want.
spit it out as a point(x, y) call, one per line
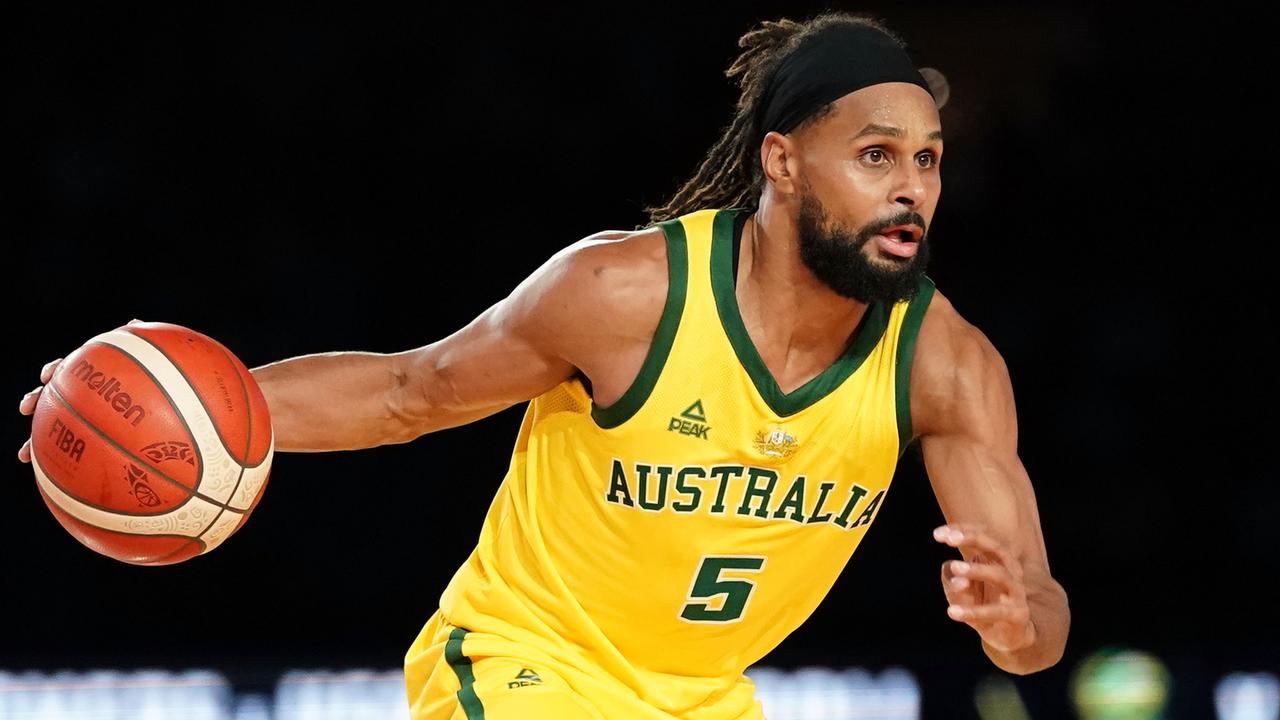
point(927, 160)
point(875, 156)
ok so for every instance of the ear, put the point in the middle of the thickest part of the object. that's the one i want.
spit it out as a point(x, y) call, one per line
point(777, 158)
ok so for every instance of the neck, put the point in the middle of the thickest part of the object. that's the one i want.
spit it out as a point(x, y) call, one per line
point(797, 322)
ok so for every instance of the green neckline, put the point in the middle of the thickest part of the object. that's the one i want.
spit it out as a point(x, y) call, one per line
point(866, 336)
point(907, 334)
point(663, 338)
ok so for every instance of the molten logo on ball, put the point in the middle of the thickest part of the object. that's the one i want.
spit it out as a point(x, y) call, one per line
point(120, 402)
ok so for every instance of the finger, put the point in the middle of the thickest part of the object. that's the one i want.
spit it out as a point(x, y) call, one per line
point(27, 405)
point(970, 537)
point(48, 370)
point(135, 321)
point(996, 575)
point(24, 453)
point(958, 590)
point(998, 612)
point(953, 570)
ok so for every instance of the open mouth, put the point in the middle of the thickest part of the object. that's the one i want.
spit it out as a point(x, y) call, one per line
point(905, 233)
point(902, 241)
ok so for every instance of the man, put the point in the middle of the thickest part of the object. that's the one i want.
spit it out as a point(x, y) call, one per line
point(718, 403)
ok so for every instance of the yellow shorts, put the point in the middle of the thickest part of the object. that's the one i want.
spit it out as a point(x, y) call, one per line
point(452, 674)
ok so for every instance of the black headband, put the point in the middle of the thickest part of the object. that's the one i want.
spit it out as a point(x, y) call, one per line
point(826, 67)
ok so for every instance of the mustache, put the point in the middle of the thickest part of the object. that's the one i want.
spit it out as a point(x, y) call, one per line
point(906, 217)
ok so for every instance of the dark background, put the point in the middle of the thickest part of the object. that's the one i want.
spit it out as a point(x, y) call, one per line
point(314, 180)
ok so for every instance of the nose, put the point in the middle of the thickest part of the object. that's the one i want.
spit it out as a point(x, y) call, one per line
point(909, 190)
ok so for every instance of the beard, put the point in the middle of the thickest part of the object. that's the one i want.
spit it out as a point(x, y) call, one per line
point(834, 254)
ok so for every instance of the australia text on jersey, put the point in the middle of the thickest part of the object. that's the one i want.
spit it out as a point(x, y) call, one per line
point(757, 493)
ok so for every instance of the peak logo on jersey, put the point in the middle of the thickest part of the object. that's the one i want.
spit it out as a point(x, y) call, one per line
point(691, 422)
point(695, 412)
point(525, 678)
point(775, 443)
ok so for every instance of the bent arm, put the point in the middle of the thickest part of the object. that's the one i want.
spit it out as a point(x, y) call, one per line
point(963, 398)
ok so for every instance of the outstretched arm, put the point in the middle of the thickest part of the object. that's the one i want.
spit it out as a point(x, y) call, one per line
point(575, 312)
point(352, 400)
point(963, 411)
point(593, 308)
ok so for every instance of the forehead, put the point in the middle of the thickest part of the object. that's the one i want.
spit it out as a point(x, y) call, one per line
point(900, 105)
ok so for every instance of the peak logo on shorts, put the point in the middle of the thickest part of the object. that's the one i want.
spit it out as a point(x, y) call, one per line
point(525, 678)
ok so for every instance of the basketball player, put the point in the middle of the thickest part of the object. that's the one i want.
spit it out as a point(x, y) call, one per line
point(718, 402)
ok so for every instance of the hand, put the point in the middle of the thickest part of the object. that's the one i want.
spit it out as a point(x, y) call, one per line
point(986, 593)
point(27, 405)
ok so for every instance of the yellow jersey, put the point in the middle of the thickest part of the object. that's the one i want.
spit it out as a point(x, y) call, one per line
point(672, 539)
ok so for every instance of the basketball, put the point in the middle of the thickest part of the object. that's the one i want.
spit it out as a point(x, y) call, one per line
point(151, 444)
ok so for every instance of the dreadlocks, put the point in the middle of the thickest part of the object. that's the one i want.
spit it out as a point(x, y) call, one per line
point(730, 175)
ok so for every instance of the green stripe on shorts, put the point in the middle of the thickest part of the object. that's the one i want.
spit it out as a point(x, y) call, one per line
point(461, 665)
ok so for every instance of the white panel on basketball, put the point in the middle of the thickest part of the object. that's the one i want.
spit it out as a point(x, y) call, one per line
point(251, 483)
point(190, 519)
point(221, 471)
point(220, 529)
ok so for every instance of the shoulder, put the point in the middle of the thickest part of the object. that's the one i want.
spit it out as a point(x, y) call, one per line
point(958, 378)
point(616, 261)
point(610, 271)
point(610, 284)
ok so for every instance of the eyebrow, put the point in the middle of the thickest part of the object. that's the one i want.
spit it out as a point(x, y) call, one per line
point(891, 131)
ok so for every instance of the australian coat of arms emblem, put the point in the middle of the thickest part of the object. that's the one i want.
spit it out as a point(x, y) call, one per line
point(776, 443)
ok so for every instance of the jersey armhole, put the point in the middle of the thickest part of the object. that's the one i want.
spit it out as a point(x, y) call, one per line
point(907, 335)
point(663, 338)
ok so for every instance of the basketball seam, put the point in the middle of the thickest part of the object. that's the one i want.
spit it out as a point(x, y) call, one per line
point(182, 418)
point(214, 521)
point(248, 444)
point(216, 430)
point(191, 492)
point(121, 532)
point(168, 555)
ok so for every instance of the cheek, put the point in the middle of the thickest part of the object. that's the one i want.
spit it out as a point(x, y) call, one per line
point(858, 189)
point(932, 185)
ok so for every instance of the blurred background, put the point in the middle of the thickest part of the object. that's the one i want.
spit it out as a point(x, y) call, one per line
point(306, 180)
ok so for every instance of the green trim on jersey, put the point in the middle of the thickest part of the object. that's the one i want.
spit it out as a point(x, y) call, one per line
point(461, 665)
point(868, 334)
point(906, 351)
point(663, 338)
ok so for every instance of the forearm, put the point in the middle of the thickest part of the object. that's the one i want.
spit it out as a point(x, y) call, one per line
point(332, 401)
point(1052, 620)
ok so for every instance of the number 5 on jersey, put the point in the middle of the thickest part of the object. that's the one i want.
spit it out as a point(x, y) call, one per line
point(715, 598)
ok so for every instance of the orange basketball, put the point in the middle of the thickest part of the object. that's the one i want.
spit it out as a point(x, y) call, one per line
point(151, 444)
